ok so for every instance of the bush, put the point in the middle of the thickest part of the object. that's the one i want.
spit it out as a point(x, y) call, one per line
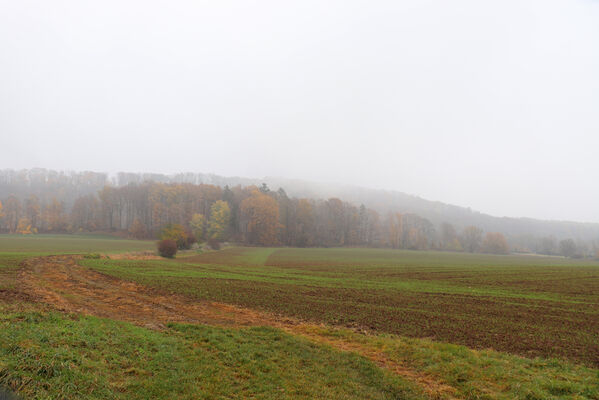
point(167, 248)
point(179, 235)
point(190, 240)
point(214, 244)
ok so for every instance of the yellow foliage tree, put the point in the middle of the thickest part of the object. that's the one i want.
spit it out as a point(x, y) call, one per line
point(262, 214)
point(198, 225)
point(24, 227)
point(220, 217)
point(177, 234)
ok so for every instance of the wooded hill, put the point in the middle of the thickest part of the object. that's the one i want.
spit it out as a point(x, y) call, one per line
point(340, 215)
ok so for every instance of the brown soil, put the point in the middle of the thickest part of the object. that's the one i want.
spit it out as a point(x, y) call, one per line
point(61, 283)
point(13, 295)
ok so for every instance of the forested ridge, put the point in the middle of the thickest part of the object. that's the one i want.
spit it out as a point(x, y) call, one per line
point(142, 205)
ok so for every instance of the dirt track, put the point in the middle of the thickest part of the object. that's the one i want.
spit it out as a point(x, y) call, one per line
point(61, 283)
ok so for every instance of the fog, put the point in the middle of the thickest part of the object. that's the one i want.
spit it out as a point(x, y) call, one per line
point(492, 105)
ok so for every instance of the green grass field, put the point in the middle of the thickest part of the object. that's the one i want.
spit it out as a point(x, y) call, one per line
point(60, 244)
point(53, 356)
point(490, 327)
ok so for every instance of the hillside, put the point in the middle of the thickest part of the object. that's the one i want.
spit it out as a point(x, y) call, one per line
point(67, 186)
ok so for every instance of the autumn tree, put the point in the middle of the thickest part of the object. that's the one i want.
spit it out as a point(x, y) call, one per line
point(395, 230)
point(55, 217)
point(233, 199)
point(352, 226)
point(138, 229)
point(334, 217)
point(495, 243)
point(449, 238)
point(285, 215)
point(374, 229)
point(177, 234)
point(33, 211)
point(472, 238)
point(12, 213)
point(418, 232)
point(198, 226)
point(261, 214)
point(85, 214)
point(24, 227)
point(302, 232)
point(220, 216)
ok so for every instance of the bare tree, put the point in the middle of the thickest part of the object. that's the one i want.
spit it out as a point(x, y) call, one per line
point(472, 237)
point(567, 248)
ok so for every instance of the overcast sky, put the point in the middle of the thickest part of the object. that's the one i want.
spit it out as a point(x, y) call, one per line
point(487, 104)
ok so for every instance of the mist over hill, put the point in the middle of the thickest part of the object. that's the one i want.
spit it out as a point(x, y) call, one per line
point(385, 201)
point(67, 186)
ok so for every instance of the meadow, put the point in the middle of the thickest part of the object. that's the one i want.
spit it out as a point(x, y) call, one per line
point(337, 324)
point(87, 243)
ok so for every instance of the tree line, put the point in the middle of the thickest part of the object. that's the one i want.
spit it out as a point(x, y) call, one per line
point(253, 215)
point(250, 215)
point(52, 189)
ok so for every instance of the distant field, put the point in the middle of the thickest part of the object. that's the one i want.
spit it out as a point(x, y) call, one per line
point(533, 306)
point(70, 244)
point(15, 248)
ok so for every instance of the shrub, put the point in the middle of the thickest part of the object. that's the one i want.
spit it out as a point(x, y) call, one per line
point(167, 248)
point(214, 244)
point(190, 240)
point(178, 234)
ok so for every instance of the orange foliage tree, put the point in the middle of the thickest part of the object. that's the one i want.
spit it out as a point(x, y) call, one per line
point(138, 229)
point(24, 227)
point(495, 243)
point(261, 213)
point(55, 217)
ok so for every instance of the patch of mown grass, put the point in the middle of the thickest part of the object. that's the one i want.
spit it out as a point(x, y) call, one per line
point(51, 355)
point(483, 374)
